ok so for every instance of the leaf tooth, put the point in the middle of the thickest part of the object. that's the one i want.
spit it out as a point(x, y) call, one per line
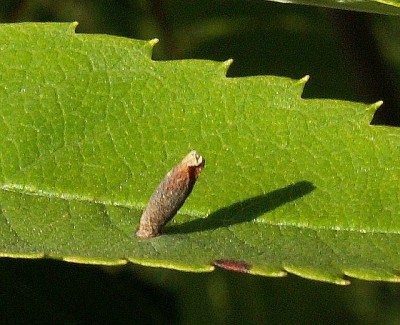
point(263, 271)
point(370, 111)
point(173, 265)
point(72, 27)
point(373, 107)
point(304, 80)
point(153, 42)
point(301, 83)
point(226, 64)
point(94, 261)
point(149, 46)
point(22, 255)
point(373, 275)
point(315, 274)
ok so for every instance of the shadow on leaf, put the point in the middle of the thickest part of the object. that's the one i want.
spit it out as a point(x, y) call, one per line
point(244, 211)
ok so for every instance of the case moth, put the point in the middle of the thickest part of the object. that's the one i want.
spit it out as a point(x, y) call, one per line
point(170, 195)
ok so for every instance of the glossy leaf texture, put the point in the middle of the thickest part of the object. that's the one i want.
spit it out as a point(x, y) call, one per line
point(90, 124)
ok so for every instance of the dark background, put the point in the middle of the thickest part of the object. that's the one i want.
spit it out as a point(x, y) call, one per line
point(351, 56)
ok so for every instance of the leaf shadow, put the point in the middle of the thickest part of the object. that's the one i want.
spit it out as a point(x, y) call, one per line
point(246, 210)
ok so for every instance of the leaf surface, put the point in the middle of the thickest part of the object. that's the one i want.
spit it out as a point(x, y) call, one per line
point(90, 125)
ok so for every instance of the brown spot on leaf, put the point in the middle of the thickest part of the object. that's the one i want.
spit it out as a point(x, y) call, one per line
point(233, 265)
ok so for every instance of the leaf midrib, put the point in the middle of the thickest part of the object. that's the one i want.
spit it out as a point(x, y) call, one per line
point(24, 190)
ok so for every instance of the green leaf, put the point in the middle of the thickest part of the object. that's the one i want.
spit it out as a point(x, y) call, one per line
point(389, 7)
point(90, 125)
